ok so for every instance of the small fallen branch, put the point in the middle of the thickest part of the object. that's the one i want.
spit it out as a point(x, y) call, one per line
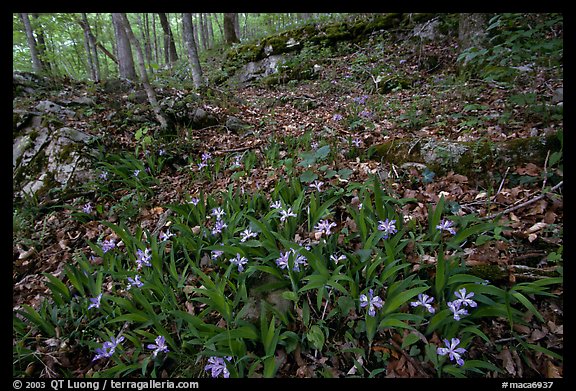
point(523, 204)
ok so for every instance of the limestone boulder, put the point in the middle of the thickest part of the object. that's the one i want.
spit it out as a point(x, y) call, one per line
point(45, 158)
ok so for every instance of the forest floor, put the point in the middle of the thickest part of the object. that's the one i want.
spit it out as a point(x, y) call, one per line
point(437, 105)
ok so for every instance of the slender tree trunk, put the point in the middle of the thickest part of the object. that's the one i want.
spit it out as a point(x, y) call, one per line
point(140, 56)
point(42, 50)
point(147, 42)
point(36, 64)
point(203, 30)
point(169, 45)
point(91, 51)
point(195, 28)
point(107, 53)
point(219, 26)
point(245, 33)
point(156, 54)
point(125, 60)
point(188, 35)
point(237, 25)
point(91, 69)
point(210, 31)
point(230, 36)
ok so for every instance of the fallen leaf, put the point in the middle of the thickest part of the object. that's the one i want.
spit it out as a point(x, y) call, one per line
point(552, 371)
point(538, 334)
point(507, 361)
point(530, 169)
point(157, 210)
point(550, 217)
point(536, 227)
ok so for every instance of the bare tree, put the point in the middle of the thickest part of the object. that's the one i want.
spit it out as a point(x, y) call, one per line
point(36, 63)
point(191, 47)
point(125, 24)
point(230, 36)
point(125, 60)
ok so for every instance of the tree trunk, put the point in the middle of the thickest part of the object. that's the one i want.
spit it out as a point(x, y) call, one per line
point(203, 30)
point(125, 24)
point(36, 64)
point(188, 34)
point(208, 18)
point(230, 36)
point(169, 45)
point(107, 53)
point(147, 42)
point(472, 30)
point(219, 26)
point(90, 46)
point(245, 33)
point(143, 38)
point(237, 25)
point(91, 70)
point(125, 60)
point(195, 29)
point(156, 55)
point(42, 51)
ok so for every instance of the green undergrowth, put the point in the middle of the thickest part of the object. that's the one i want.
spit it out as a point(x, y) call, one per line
point(242, 279)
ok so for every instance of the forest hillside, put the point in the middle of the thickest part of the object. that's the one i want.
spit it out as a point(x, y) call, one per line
point(287, 195)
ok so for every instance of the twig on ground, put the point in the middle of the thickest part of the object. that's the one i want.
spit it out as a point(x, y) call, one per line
point(545, 170)
point(523, 204)
point(503, 179)
point(414, 363)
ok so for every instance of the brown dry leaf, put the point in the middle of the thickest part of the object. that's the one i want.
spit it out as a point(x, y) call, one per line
point(507, 361)
point(537, 208)
point(305, 371)
point(538, 334)
point(27, 254)
point(157, 210)
point(351, 224)
point(523, 329)
point(457, 178)
point(552, 371)
point(189, 308)
point(554, 328)
point(550, 217)
point(535, 228)
point(530, 169)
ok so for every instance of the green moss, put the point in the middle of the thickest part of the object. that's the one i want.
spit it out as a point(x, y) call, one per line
point(379, 22)
point(66, 151)
point(476, 159)
point(244, 53)
point(492, 273)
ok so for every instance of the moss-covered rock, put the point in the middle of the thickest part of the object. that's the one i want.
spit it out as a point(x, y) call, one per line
point(467, 158)
point(313, 37)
